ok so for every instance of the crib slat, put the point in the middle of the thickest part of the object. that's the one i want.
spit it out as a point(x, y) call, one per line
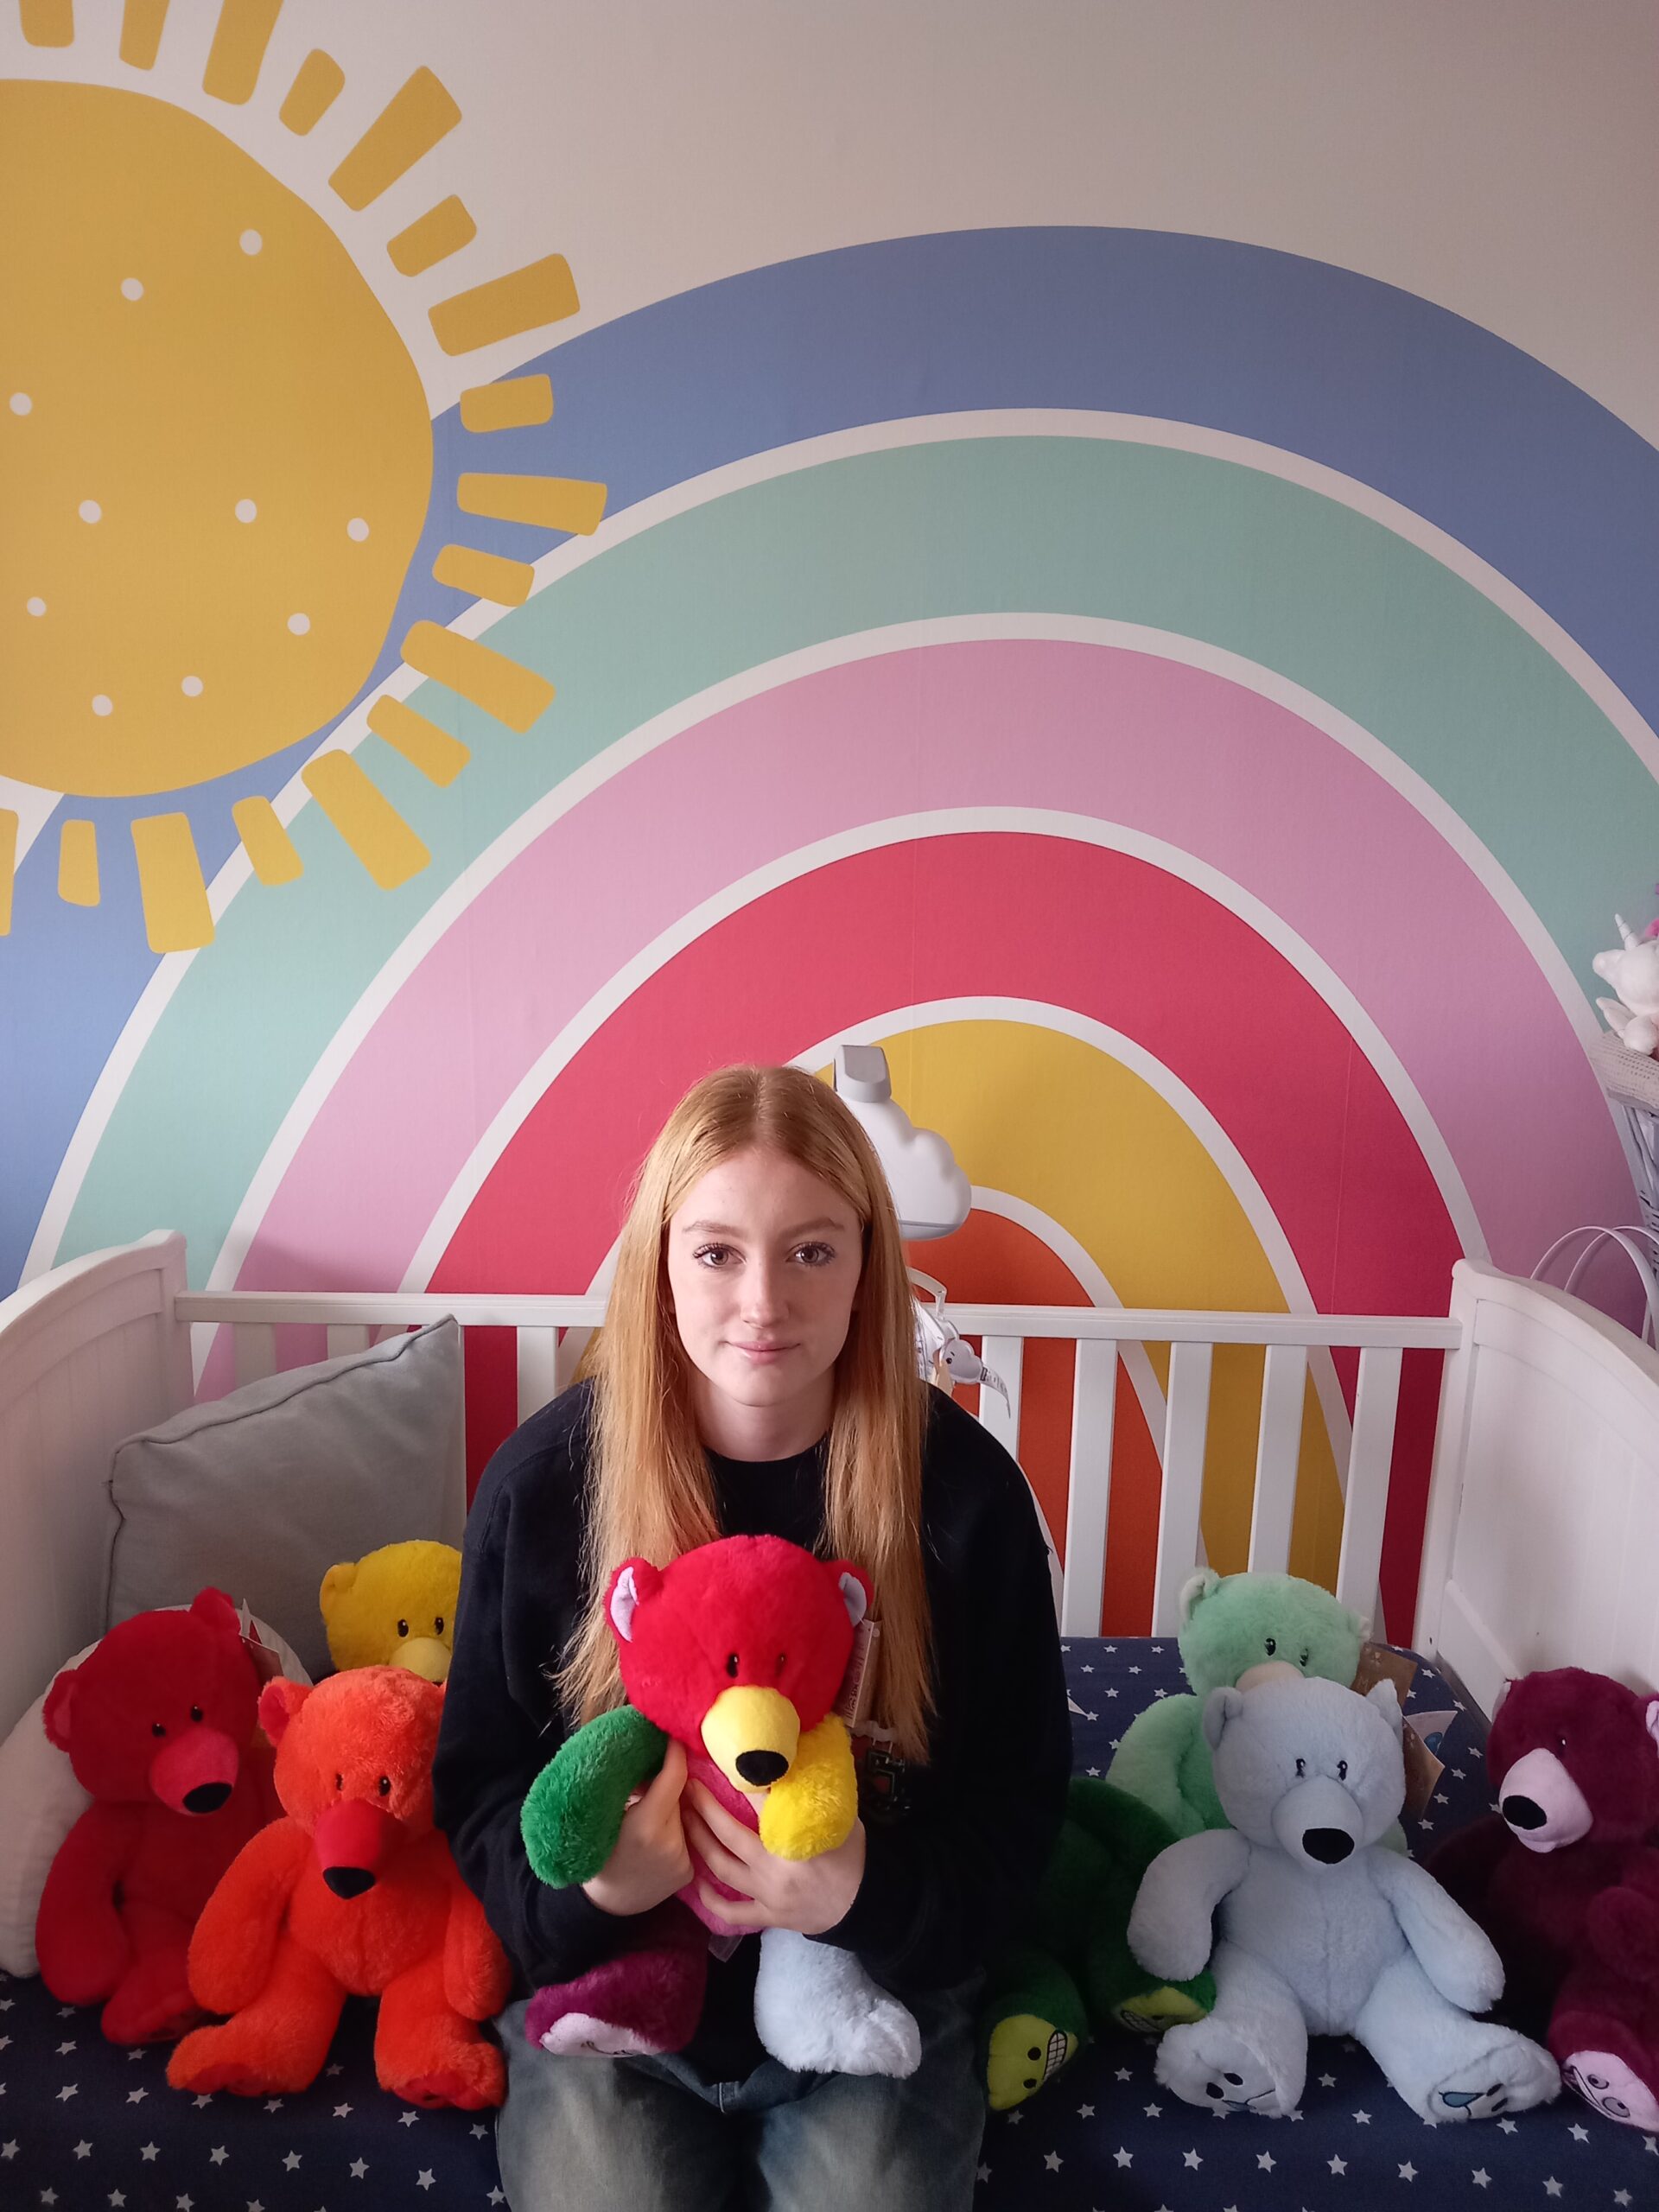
point(255, 1347)
point(568, 1357)
point(1006, 1356)
point(1376, 1399)
point(1284, 1387)
point(348, 1336)
point(1089, 1497)
point(539, 1361)
point(1186, 1425)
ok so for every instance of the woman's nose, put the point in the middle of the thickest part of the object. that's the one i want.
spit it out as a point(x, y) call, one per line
point(763, 1293)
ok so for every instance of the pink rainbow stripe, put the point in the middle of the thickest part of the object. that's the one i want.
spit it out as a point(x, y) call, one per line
point(1175, 752)
point(1067, 924)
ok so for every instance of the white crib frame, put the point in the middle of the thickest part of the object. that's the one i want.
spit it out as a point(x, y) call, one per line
point(1543, 1402)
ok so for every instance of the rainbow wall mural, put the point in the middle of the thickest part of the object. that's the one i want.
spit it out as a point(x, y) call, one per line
point(1193, 704)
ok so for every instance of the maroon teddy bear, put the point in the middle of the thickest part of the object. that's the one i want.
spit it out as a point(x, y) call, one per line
point(1565, 1878)
point(157, 1722)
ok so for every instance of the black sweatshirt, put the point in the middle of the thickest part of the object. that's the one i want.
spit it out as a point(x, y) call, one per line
point(951, 1847)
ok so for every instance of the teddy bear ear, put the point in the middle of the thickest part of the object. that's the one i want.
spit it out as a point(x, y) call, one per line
point(1219, 1707)
point(279, 1703)
point(1384, 1696)
point(854, 1587)
point(338, 1580)
point(634, 1581)
point(1196, 1588)
point(214, 1610)
point(1653, 1718)
point(60, 1702)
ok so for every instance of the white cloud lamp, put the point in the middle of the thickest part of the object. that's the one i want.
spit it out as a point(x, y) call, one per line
point(933, 1195)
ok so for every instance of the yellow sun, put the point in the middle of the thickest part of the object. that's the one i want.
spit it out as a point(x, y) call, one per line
point(219, 460)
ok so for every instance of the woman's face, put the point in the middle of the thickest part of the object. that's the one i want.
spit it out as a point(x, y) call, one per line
point(764, 1260)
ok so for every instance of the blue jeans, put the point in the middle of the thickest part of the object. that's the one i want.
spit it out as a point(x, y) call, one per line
point(582, 2134)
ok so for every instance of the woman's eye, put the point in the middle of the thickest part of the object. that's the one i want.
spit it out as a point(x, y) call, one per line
point(1271, 1646)
point(713, 1255)
point(815, 1255)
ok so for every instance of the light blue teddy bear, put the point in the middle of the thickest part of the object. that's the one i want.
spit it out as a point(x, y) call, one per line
point(1316, 1927)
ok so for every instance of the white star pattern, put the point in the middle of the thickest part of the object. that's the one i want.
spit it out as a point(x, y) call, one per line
point(1052, 2160)
point(68, 2090)
point(1552, 2187)
point(981, 2173)
point(1122, 2158)
point(206, 2098)
point(476, 2129)
point(1191, 2159)
point(218, 2155)
point(496, 2197)
point(117, 2199)
point(342, 2112)
point(1337, 2165)
point(1363, 2118)
point(1407, 2172)
point(150, 2153)
point(1327, 2081)
point(1085, 2112)
point(1015, 2119)
point(1579, 2135)
point(1480, 2177)
point(408, 2119)
point(1122, 2074)
point(291, 2161)
point(48, 2197)
point(83, 2149)
point(275, 2104)
point(8, 2149)
point(1621, 2197)
point(359, 2167)
point(64, 2049)
point(1506, 2126)
point(182, 2204)
point(424, 2179)
point(1153, 2112)
point(136, 2096)
point(1266, 2160)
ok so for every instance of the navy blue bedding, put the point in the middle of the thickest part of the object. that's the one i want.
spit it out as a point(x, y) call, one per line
point(85, 2126)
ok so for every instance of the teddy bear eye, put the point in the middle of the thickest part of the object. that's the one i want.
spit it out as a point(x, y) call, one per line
point(1302, 1661)
point(437, 1625)
point(782, 1663)
point(1560, 1743)
point(385, 1785)
point(403, 1628)
point(195, 1713)
point(1301, 1766)
point(1342, 1769)
point(1271, 1646)
point(731, 1664)
point(340, 1782)
point(156, 1728)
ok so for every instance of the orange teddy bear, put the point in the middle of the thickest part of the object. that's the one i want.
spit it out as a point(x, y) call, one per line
point(354, 1892)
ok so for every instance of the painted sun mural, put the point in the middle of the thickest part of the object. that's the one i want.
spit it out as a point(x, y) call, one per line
point(218, 456)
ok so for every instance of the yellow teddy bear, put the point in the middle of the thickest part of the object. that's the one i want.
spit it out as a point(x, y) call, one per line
point(394, 1607)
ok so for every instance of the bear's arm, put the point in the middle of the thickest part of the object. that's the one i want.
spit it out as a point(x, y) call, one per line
point(1151, 1761)
point(1623, 1922)
point(1458, 1956)
point(813, 1808)
point(1464, 1864)
point(573, 1814)
point(1171, 1928)
point(477, 1978)
point(235, 1940)
point(78, 1939)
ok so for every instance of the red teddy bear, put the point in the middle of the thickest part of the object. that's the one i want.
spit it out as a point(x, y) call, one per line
point(1565, 1878)
point(157, 1722)
point(354, 1892)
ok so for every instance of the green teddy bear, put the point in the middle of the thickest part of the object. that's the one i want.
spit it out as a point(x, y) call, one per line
point(1232, 1626)
point(1071, 1970)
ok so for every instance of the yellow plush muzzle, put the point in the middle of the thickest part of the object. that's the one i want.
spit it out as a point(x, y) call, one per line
point(751, 1736)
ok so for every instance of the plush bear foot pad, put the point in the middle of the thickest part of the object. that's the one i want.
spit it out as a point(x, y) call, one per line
point(1210, 2063)
point(1024, 2052)
point(1604, 2080)
point(1509, 2077)
point(580, 2035)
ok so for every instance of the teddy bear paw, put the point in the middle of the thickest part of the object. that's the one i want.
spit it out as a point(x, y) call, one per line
point(1210, 2063)
point(1605, 2082)
point(1509, 2077)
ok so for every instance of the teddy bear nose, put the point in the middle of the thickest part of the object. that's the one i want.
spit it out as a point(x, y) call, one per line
point(1521, 1813)
point(1329, 1845)
point(762, 1768)
point(348, 1881)
point(206, 1796)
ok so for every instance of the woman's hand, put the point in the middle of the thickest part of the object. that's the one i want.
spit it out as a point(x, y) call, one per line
point(651, 1860)
point(809, 1895)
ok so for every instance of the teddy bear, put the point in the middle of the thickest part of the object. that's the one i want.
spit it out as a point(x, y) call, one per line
point(1231, 1624)
point(1564, 1877)
point(158, 1723)
point(353, 1892)
point(1317, 1926)
point(737, 1649)
point(395, 1607)
point(1070, 1970)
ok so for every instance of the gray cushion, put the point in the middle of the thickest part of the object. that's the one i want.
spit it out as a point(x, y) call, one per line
point(262, 1492)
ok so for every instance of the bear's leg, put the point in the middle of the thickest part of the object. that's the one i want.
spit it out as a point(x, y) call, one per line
point(1605, 2037)
point(649, 1998)
point(1445, 2064)
point(276, 2043)
point(1119, 1988)
point(425, 2053)
point(152, 2003)
point(817, 2011)
point(1032, 2023)
point(1251, 2053)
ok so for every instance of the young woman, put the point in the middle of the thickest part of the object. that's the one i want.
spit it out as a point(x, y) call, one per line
point(757, 1375)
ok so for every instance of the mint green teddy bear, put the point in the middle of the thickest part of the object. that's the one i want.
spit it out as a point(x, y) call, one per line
point(1232, 1628)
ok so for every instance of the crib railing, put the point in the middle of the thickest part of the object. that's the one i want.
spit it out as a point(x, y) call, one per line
point(550, 1332)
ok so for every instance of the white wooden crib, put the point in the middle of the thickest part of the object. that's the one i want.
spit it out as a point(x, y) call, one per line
point(1541, 1544)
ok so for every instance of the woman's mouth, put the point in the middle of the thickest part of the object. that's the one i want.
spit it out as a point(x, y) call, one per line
point(761, 1353)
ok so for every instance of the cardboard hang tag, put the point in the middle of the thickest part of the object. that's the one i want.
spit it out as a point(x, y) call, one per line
point(266, 1664)
point(855, 1699)
point(1379, 1662)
